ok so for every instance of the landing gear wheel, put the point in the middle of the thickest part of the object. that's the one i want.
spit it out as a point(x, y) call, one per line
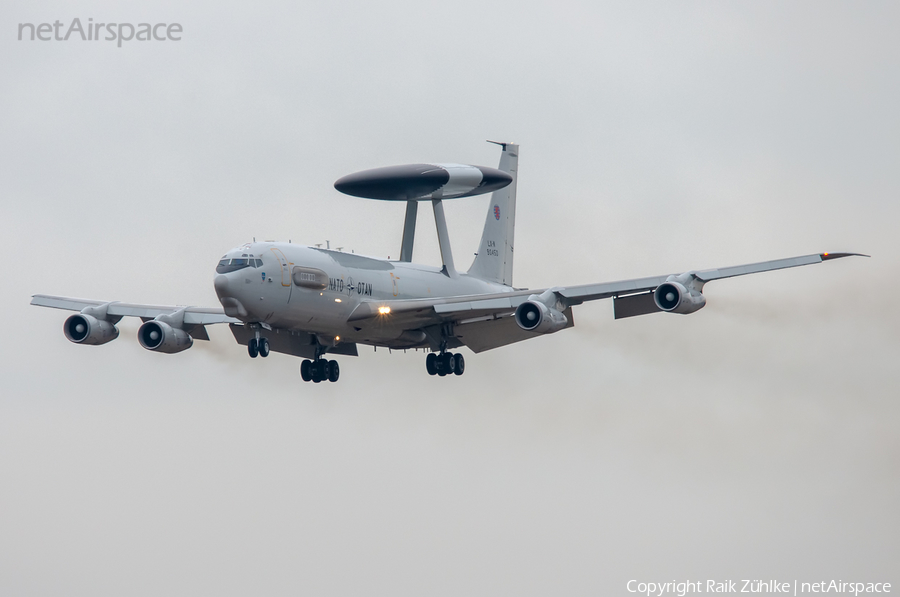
point(431, 363)
point(334, 371)
point(263, 347)
point(447, 363)
point(252, 348)
point(459, 364)
point(305, 373)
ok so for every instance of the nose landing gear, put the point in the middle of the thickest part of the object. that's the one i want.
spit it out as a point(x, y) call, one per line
point(445, 363)
point(258, 346)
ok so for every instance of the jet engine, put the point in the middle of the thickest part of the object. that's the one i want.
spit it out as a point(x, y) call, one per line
point(674, 297)
point(535, 316)
point(86, 329)
point(161, 337)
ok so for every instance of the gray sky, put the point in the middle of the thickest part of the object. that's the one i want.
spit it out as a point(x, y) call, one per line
point(756, 438)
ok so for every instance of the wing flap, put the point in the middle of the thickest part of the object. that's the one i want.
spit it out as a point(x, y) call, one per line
point(633, 305)
point(197, 332)
point(484, 335)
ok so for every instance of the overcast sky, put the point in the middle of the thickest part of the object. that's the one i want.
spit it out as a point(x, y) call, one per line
point(756, 438)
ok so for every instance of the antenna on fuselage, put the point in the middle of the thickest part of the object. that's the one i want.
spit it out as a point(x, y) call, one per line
point(420, 182)
point(409, 231)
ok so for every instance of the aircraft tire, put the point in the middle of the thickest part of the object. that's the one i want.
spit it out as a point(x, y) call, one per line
point(431, 363)
point(252, 348)
point(305, 374)
point(263, 347)
point(459, 364)
point(447, 361)
point(316, 371)
point(334, 371)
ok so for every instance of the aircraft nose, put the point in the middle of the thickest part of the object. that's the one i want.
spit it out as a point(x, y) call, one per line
point(221, 285)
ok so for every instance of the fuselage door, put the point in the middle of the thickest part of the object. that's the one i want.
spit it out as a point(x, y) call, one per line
point(285, 268)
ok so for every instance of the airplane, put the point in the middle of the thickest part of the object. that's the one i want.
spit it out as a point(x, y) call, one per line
point(311, 302)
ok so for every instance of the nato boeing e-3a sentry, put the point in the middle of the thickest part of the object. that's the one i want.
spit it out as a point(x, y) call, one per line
point(312, 302)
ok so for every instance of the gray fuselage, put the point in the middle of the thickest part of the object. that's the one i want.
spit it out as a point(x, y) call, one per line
point(315, 290)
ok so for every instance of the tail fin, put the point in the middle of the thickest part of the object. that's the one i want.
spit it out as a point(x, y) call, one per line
point(494, 260)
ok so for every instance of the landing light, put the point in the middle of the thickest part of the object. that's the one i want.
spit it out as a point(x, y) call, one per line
point(384, 310)
point(337, 300)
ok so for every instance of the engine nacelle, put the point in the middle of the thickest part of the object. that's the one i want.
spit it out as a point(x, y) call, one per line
point(673, 297)
point(86, 329)
point(161, 337)
point(535, 316)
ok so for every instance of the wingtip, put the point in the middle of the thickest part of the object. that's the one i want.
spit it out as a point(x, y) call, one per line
point(827, 256)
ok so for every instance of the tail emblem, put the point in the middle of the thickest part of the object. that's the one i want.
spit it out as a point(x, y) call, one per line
point(496, 212)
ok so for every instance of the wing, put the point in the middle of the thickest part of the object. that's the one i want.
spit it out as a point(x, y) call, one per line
point(590, 292)
point(194, 317)
point(485, 321)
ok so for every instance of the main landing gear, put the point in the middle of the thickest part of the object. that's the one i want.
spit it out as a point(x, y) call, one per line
point(258, 346)
point(319, 370)
point(445, 363)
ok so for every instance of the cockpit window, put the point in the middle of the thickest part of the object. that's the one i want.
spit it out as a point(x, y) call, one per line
point(231, 265)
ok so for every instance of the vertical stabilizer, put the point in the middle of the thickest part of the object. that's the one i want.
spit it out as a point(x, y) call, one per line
point(494, 260)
